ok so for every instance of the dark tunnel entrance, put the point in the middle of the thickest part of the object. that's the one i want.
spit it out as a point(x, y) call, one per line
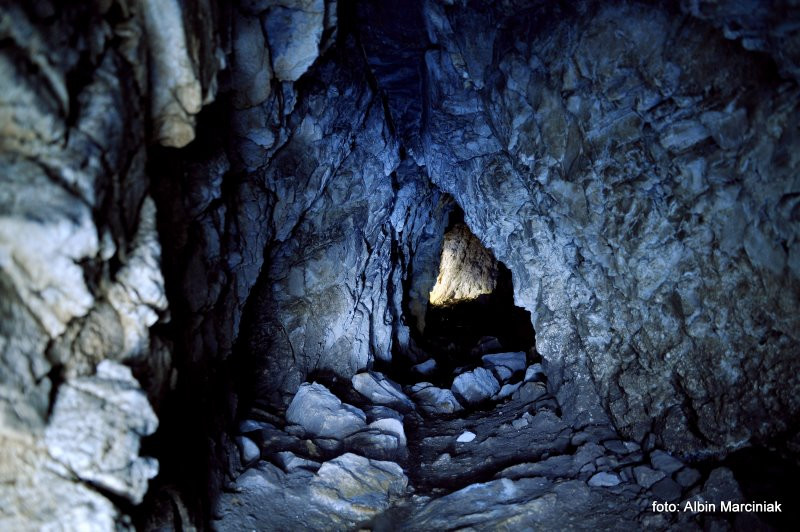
point(470, 312)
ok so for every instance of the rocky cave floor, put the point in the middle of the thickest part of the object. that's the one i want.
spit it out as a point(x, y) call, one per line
point(490, 451)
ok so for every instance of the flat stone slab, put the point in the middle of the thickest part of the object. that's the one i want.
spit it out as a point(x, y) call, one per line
point(665, 462)
point(604, 479)
point(322, 414)
point(646, 476)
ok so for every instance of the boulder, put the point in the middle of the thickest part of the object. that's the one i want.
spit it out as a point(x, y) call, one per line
point(529, 392)
point(290, 462)
point(377, 412)
point(248, 450)
point(391, 426)
point(374, 443)
point(381, 391)
point(513, 361)
point(322, 414)
point(475, 386)
point(354, 488)
point(433, 400)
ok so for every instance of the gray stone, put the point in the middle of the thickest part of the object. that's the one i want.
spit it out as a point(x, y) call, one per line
point(520, 423)
point(604, 479)
point(354, 488)
point(688, 477)
point(329, 446)
point(344, 491)
point(252, 425)
point(322, 414)
point(666, 489)
point(529, 392)
point(616, 446)
point(290, 462)
point(466, 437)
point(554, 467)
point(391, 426)
point(248, 450)
point(513, 361)
point(381, 390)
point(375, 413)
point(433, 400)
point(646, 477)
point(535, 372)
point(475, 386)
point(374, 443)
point(425, 368)
point(665, 462)
point(507, 390)
point(294, 38)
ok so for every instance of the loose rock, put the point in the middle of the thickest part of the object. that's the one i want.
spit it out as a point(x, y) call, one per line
point(382, 391)
point(466, 437)
point(321, 413)
point(433, 400)
point(475, 386)
point(604, 479)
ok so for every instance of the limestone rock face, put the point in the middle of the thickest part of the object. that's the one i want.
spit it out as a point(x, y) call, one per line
point(621, 176)
point(467, 269)
point(95, 427)
point(81, 280)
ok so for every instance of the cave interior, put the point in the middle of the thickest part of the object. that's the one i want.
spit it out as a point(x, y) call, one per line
point(399, 265)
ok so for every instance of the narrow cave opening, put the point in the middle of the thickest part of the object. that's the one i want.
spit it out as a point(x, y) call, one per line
point(469, 313)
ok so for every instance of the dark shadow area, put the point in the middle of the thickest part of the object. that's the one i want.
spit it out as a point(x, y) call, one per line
point(764, 476)
point(459, 334)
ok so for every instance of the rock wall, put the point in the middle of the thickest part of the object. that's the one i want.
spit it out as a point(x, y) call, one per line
point(467, 270)
point(635, 171)
point(80, 276)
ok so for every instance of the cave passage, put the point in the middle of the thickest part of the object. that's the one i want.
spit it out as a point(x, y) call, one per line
point(478, 316)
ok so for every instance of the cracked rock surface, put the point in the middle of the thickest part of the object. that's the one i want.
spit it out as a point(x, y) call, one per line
point(223, 224)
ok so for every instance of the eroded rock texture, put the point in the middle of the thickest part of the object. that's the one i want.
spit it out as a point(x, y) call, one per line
point(79, 252)
point(634, 170)
point(208, 206)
